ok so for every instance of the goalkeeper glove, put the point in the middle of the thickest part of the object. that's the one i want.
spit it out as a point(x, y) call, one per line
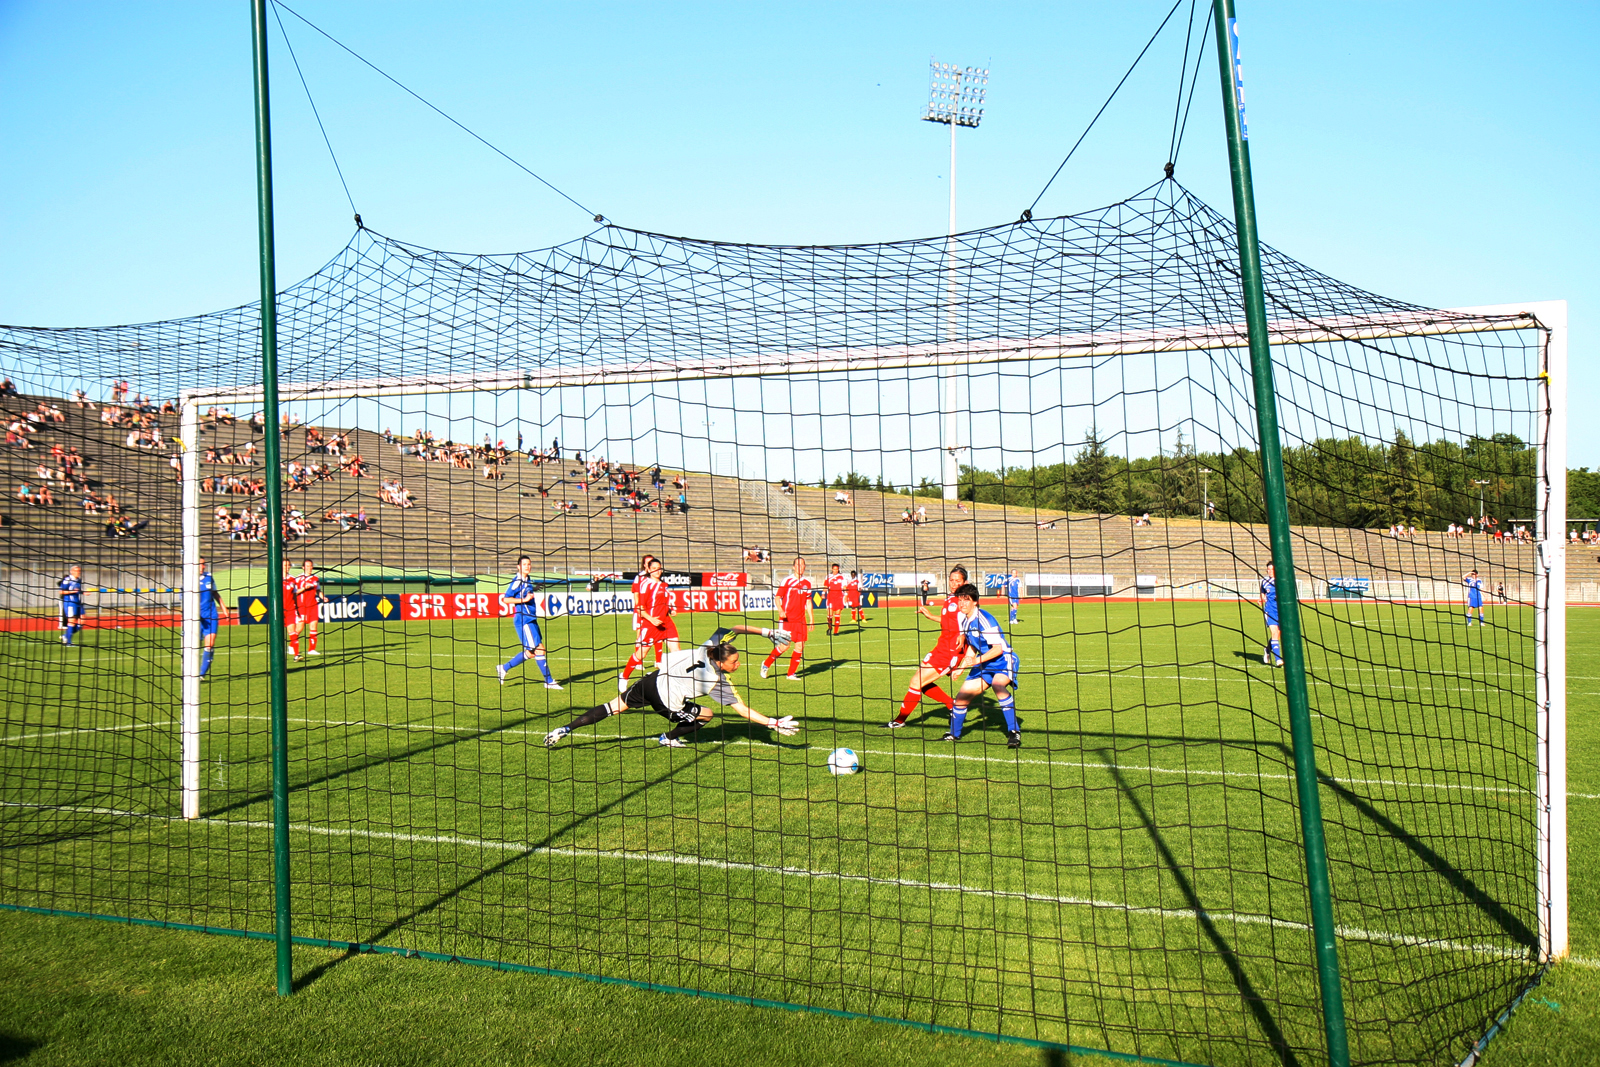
point(786, 726)
point(779, 637)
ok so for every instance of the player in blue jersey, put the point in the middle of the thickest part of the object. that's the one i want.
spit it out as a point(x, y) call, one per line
point(1014, 594)
point(995, 667)
point(521, 594)
point(71, 604)
point(1474, 586)
point(211, 612)
point(1269, 610)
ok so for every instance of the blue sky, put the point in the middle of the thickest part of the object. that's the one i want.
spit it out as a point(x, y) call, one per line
point(1442, 153)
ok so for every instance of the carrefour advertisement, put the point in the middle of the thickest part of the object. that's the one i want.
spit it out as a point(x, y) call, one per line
point(429, 607)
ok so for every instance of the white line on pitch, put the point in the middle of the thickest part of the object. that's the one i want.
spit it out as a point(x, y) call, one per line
point(85, 730)
point(1349, 933)
point(897, 754)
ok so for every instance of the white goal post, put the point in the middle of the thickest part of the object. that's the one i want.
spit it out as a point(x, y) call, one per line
point(1550, 486)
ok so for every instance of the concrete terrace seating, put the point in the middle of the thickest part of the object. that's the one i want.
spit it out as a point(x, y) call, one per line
point(465, 524)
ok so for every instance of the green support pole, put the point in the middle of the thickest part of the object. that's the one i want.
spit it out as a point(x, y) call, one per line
point(1294, 662)
point(277, 665)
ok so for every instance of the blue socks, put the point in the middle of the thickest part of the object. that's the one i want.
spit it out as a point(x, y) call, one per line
point(1008, 708)
point(205, 662)
point(516, 661)
point(544, 667)
point(72, 631)
point(958, 719)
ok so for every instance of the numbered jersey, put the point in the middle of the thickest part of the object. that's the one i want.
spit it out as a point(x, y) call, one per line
point(835, 584)
point(307, 591)
point(793, 595)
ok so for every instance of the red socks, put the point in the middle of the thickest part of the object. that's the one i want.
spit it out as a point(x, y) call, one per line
point(633, 664)
point(772, 657)
point(909, 705)
point(794, 663)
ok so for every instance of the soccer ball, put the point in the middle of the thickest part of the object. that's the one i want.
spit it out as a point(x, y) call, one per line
point(843, 761)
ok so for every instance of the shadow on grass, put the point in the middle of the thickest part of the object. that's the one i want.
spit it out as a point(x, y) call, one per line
point(484, 875)
point(13, 1047)
point(1458, 881)
point(359, 765)
point(1253, 1000)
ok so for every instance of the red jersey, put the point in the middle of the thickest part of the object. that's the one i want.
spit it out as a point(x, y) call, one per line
point(853, 588)
point(950, 624)
point(639, 582)
point(290, 607)
point(656, 599)
point(835, 584)
point(793, 596)
point(307, 590)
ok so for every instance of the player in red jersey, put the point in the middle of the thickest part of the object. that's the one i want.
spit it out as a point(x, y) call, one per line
point(641, 643)
point(307, 595)
point(834, 582)
point(852, 592)
point(948, 655)
point(659, 629)
point(291, 613)
point(794, 605)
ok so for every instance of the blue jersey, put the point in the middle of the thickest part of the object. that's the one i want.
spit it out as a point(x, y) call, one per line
point(1474, 591)
point(983, 633)
point(1014, 589)
point(1269, 601)
point(71, 595)
point(208, 597)
point(521, 587)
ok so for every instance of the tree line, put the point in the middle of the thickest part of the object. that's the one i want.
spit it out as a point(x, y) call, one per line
point(1351, 482)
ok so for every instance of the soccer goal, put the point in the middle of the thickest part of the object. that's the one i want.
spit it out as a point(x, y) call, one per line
point(1131, 879)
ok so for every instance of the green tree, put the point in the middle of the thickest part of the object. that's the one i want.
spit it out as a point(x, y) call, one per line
point(1093, 485)
point(1402, 489)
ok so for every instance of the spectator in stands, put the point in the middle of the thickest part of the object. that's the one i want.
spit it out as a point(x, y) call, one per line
point(905, 514)
point(785, 487)
point(922, 514)
point(80, 398)
point(841, 497)
point(26, 495)
point(7, 389)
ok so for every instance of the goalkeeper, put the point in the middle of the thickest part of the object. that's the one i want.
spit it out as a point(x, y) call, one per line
point(670, 691)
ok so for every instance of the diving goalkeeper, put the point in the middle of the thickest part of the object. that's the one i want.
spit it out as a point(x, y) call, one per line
point(671, 689)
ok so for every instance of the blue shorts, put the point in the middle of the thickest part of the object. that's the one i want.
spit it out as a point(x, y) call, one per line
point(528, 633)
point(1474, 601)
point(1272, 617)
point(1007, 665)
point(71, 611)
point(208, 626)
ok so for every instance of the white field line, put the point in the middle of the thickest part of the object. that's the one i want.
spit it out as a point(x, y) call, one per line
point(1077, 667)
point(1180, 772)
point(1348, 933)
point(86, 730)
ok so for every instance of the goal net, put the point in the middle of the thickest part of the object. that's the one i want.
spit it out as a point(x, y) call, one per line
point(1063, 404)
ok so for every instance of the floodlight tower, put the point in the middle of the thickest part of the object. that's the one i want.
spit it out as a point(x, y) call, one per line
point(955, 98)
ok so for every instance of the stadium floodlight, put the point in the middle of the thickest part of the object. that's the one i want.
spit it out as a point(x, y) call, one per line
point(955, 98)
point(1480, 483)
point(1205, 491)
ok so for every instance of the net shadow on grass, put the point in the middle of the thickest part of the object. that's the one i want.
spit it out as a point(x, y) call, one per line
point(359, 765)
point(534, 848)
point(1493, 909)
point(1247, 991)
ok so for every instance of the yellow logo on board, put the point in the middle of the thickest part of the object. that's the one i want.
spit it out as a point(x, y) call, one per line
point(258, 609)
point(385, 606)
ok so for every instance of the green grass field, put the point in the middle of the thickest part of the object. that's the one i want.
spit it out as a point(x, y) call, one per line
point(1131, 879)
